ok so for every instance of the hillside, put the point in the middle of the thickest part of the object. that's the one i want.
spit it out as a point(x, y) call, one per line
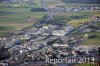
point(82, 1)
point(19, 1)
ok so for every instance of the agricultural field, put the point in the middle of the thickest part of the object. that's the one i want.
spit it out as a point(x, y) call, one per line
point(17, 18)
point(90, 41)
point(85, 64)
point(75, 18)
point(86, 14)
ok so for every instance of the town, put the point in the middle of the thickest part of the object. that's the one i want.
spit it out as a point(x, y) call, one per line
point(50, 39)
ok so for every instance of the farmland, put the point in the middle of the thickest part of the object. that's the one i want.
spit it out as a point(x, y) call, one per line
point(75, 18)
point(84, 64)
point(90, 41)
point(18, 18)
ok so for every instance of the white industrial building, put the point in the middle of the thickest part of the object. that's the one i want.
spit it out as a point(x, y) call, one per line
point(59, 32)
point(62, 32)
point(60, 45)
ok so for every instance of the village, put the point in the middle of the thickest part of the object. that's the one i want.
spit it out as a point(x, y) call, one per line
point(49, 33)
point(47, 41)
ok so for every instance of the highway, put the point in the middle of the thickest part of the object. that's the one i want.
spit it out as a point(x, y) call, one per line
point(41, 22)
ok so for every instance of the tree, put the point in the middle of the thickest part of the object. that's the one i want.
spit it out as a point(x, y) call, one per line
point(82, 1)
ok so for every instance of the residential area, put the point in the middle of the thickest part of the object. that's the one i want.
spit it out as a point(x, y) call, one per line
point(54, 38)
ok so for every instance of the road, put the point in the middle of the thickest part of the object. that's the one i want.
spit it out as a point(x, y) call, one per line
point(44, 21)
point(84, 26)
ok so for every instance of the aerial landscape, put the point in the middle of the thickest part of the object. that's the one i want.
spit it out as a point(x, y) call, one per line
point(49, 33)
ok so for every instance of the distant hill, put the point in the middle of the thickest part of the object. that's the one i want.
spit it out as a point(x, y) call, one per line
point(18, 1)
point(82, 1)
point(2, 0)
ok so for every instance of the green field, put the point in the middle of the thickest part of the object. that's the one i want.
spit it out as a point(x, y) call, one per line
point(77, 22)
point(85, 64)
point(18, 18)
point(90, 41)
point(18, 15)
point(35, 4)
point(75, 18)
point(86, 14)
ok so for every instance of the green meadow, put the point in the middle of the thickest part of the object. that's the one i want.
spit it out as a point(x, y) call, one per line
point(17, 18)
point(90, 41)
point(76, 17)
point(85, 64)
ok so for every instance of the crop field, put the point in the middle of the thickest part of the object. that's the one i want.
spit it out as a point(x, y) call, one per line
point(75, 18)
point(84, 15)
point(90, 41)
point(17, 18)
point(85, 64)
point(76, 22)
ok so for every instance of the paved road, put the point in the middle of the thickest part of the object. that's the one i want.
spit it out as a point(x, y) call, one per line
point(84, 26)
